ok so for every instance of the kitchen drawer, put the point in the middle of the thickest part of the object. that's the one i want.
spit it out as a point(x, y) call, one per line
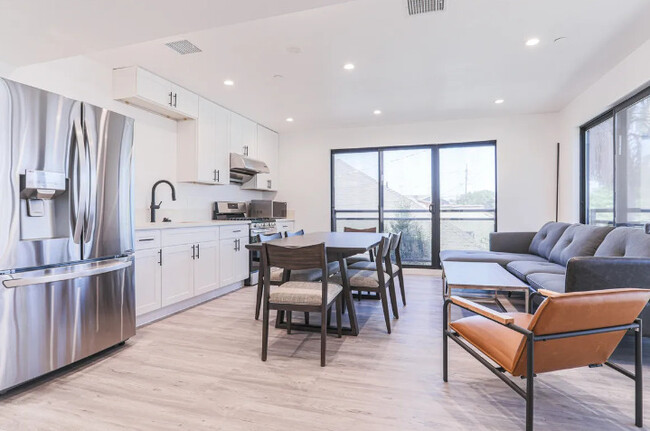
point(238, 231)
point(147, 239)
point(180, 236)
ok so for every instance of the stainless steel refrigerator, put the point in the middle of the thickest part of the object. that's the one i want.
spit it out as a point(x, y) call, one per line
point(66, 231)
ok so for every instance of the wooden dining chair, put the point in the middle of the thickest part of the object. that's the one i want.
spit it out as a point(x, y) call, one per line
point(297, 233)
point(568, 330)
point(395, 270)
point(365, 257)
point(375, 280)
point(308, 297)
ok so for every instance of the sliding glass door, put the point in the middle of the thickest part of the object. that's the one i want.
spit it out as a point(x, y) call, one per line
point(438, 196)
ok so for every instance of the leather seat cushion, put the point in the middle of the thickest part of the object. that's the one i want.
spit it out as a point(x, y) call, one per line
point(303, 293)
point(365, 257)
point(553, 282)
point(499, 343)
point(499, 257)
point(524, 268)
point(361, 278)
point(372, 266)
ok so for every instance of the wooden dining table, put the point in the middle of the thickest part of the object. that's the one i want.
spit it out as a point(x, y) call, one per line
point(338, 246)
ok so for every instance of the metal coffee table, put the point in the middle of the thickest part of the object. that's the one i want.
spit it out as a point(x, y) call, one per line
point(481, 276)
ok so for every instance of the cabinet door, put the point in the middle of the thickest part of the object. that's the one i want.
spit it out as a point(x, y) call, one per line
point(206, 267)
point(207, 142)
point(243, 136)
point(177, 274)
point(185, 101)
point(148, 276)
point(222, 145)
point(227, 254)
point(154, 88)
point(267, 151)
point(242, 260)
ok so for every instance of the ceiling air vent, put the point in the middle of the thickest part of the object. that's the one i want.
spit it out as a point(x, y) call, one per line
point(423, 6)
point(183, 47)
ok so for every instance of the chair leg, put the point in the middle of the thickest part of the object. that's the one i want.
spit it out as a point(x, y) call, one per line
point(258, 302)
point(339, 323)
point(445, 345)
point(265, 332)
point(530, 375)
point(329, 316)
point(393, 298)
point(323, 339)
point(638, 377)
point(289, 314)
point(400, 274)
point(384, 305)
point(306, 318)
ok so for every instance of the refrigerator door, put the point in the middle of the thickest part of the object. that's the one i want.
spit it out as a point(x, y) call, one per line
point(108, 221)
point(41, 149)
point(54, 317)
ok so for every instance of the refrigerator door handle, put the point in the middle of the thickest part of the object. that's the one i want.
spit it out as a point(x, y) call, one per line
point(91, 270)
point(89, 218)
point(80, 182)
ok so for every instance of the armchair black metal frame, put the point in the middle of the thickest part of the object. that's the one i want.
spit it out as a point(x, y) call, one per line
point(531, 338)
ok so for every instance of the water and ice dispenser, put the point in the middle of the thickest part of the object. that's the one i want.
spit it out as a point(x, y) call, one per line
point(45, 208)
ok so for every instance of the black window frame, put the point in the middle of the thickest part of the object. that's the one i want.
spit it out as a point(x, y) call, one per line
point(607, 115)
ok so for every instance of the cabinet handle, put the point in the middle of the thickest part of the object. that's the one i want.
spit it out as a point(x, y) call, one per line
point(214, 173)
point(218, 175)
point(193, 252)
point(235, 241)
point(245, 150)
point(198, 251)
point(170, 98)
point(146, 239)
point(160, 257)
point(269, 183)
point(175, 99)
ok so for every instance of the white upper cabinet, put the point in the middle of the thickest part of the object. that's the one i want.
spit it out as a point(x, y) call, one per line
point(140, 87)
point(267, 151)
point(203, 146)
point(243, 136)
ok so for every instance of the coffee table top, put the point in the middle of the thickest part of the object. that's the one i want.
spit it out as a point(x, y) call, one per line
point(477, 275)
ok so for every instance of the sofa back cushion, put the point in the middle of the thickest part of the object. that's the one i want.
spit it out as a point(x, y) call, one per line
point(578, 240)
point(544, 241)
point(625, 242)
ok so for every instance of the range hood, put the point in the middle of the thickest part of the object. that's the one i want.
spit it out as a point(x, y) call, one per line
point(243, 168)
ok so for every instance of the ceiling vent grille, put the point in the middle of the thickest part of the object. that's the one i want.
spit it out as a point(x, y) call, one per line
point(183, 47)
point(423, 6)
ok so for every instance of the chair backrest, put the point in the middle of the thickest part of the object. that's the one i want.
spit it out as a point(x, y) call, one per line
point(264, 238)
point(297, 233)
point(352, 229)
point(295, 258)
point(395, 243)
point(579, 311)
point(383, 255)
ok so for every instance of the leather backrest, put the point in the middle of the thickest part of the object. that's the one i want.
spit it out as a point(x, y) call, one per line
point(625, 242)
point(352, 229)
point(578, 240)
point(580, 311)
point(544, 240)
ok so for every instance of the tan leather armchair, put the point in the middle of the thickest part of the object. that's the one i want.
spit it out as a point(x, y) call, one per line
point(568, 331)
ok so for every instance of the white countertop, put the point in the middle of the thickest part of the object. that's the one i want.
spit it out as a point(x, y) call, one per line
point(176, 225)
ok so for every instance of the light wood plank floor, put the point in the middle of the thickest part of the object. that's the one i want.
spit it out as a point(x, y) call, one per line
point(200, 370)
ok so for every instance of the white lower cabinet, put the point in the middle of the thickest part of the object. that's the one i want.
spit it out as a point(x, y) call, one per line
point(177, 274)
point(206, 267)
point(148, 279)
point(234, 256)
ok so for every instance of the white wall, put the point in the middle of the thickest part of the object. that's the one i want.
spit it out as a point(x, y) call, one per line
point(526, 154)
point(625, 79)
point(154, 142)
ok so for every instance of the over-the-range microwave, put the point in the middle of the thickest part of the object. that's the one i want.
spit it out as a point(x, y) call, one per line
point(267, 209)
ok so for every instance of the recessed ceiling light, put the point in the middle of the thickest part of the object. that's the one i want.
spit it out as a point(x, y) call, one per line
point(532, 42)
point(348, 66)
point(499, 101)
point(376, 112)
point(229, 82)
point(290, 120)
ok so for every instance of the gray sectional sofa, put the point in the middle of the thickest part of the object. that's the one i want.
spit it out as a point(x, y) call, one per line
point(566, 257)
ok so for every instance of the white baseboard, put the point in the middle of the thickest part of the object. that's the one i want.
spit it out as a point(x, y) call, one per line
point(169, 310)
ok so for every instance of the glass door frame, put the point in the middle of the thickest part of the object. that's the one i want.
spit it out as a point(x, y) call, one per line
point(434, 208)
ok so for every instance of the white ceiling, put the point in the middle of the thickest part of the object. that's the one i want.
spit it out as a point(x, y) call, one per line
point(39, 30)
point(451, 64)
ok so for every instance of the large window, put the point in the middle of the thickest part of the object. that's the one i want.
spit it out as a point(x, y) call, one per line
point(616, 165)
point(438, 196)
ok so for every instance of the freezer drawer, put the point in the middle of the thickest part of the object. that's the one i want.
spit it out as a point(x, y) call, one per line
point(52, 318)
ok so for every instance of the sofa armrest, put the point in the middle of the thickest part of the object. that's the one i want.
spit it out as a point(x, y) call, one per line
point(511, 242)
point(596, 273)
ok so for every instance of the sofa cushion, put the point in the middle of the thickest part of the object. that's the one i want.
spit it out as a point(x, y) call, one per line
point(524, 268)
point(544, 241)
point(540, 280)
point(625, 242)
point(501, 258)
point(578, 240)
